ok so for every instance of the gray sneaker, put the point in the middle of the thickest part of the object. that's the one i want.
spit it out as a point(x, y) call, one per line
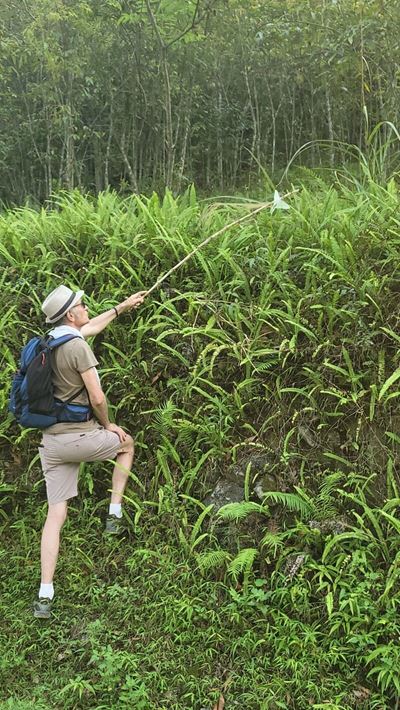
point(42, 608)
point(114, 525)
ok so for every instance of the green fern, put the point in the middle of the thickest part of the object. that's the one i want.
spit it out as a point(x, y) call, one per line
point(210, 561)
point(273, 542)
point(291, 501)
point(242, 564)
point(239, 511)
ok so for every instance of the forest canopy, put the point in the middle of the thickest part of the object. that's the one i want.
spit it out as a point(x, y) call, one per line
point(142, 94)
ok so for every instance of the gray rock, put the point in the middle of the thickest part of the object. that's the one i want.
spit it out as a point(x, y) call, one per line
point(224, 492)
point(237, 471)
point(267, 482)
point(293, 564)
point(326, 527)
point(306, 434)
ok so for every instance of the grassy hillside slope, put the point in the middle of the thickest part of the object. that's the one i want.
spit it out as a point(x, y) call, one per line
point(267, 365)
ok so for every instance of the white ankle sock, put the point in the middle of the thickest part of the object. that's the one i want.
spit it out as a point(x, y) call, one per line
point(47, 591)
point(115, 509)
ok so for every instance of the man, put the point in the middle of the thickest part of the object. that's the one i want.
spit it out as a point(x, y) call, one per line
point(65, 445)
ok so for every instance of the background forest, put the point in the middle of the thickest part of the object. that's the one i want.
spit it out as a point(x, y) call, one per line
point(137, 94)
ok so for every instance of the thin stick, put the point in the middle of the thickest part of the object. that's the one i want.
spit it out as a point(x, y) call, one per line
point(213, 236)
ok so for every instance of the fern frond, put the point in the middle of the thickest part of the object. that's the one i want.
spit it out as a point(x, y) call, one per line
point(292, 501)
point(330, 485)
point(238, 511)
point(325, 504)
point(273, 542)
point(215, 559)
point(243, 563)
point(164, 414)
point(263, 366)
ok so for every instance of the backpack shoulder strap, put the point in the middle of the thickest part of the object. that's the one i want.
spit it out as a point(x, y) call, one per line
point(30, 350)
point(76, 394)
point(53, 343)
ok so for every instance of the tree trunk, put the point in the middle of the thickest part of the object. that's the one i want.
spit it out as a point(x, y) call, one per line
point(185, 140)
point(131, 173)
point(169, 142)
point(330, 126)
point(97, 164)
point(253, 117)
point(220, 169)
point(292, 128)
point(108, 148)
point(69, 148)
point(273, 129)
point(48, 166)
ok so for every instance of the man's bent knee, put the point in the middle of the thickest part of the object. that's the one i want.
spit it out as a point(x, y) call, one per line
point(58, 512)
point(128, 446)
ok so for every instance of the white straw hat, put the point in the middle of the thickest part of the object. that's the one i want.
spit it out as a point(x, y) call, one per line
point(59, 301)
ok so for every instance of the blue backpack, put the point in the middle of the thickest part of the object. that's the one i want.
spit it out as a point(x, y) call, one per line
point(32, 400)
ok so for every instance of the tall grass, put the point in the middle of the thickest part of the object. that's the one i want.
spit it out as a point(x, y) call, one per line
point(279, 340)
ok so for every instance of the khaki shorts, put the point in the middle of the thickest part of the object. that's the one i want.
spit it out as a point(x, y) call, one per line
point(61, 454)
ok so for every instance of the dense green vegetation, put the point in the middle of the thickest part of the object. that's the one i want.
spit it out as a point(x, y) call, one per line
point(270, 360)
point(139, 94)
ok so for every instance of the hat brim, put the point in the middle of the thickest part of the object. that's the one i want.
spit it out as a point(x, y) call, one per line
point(73, 303)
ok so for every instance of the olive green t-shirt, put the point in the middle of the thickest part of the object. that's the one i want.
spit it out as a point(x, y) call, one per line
point(67, 362)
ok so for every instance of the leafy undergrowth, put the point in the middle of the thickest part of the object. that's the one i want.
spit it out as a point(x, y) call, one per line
point(269, 361)
point(137, 626)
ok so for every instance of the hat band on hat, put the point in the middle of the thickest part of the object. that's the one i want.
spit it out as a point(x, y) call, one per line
point(63, 309)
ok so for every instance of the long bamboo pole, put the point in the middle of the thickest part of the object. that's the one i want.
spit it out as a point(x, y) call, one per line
point(214, 236)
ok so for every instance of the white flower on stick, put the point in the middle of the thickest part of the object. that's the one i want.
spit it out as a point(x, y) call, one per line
point(278, 203)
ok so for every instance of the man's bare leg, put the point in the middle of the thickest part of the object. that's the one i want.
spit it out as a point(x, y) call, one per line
point(50, 544)
point(122, 469)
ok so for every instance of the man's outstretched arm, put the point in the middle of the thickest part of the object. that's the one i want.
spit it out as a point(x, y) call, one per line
point(98, 323)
